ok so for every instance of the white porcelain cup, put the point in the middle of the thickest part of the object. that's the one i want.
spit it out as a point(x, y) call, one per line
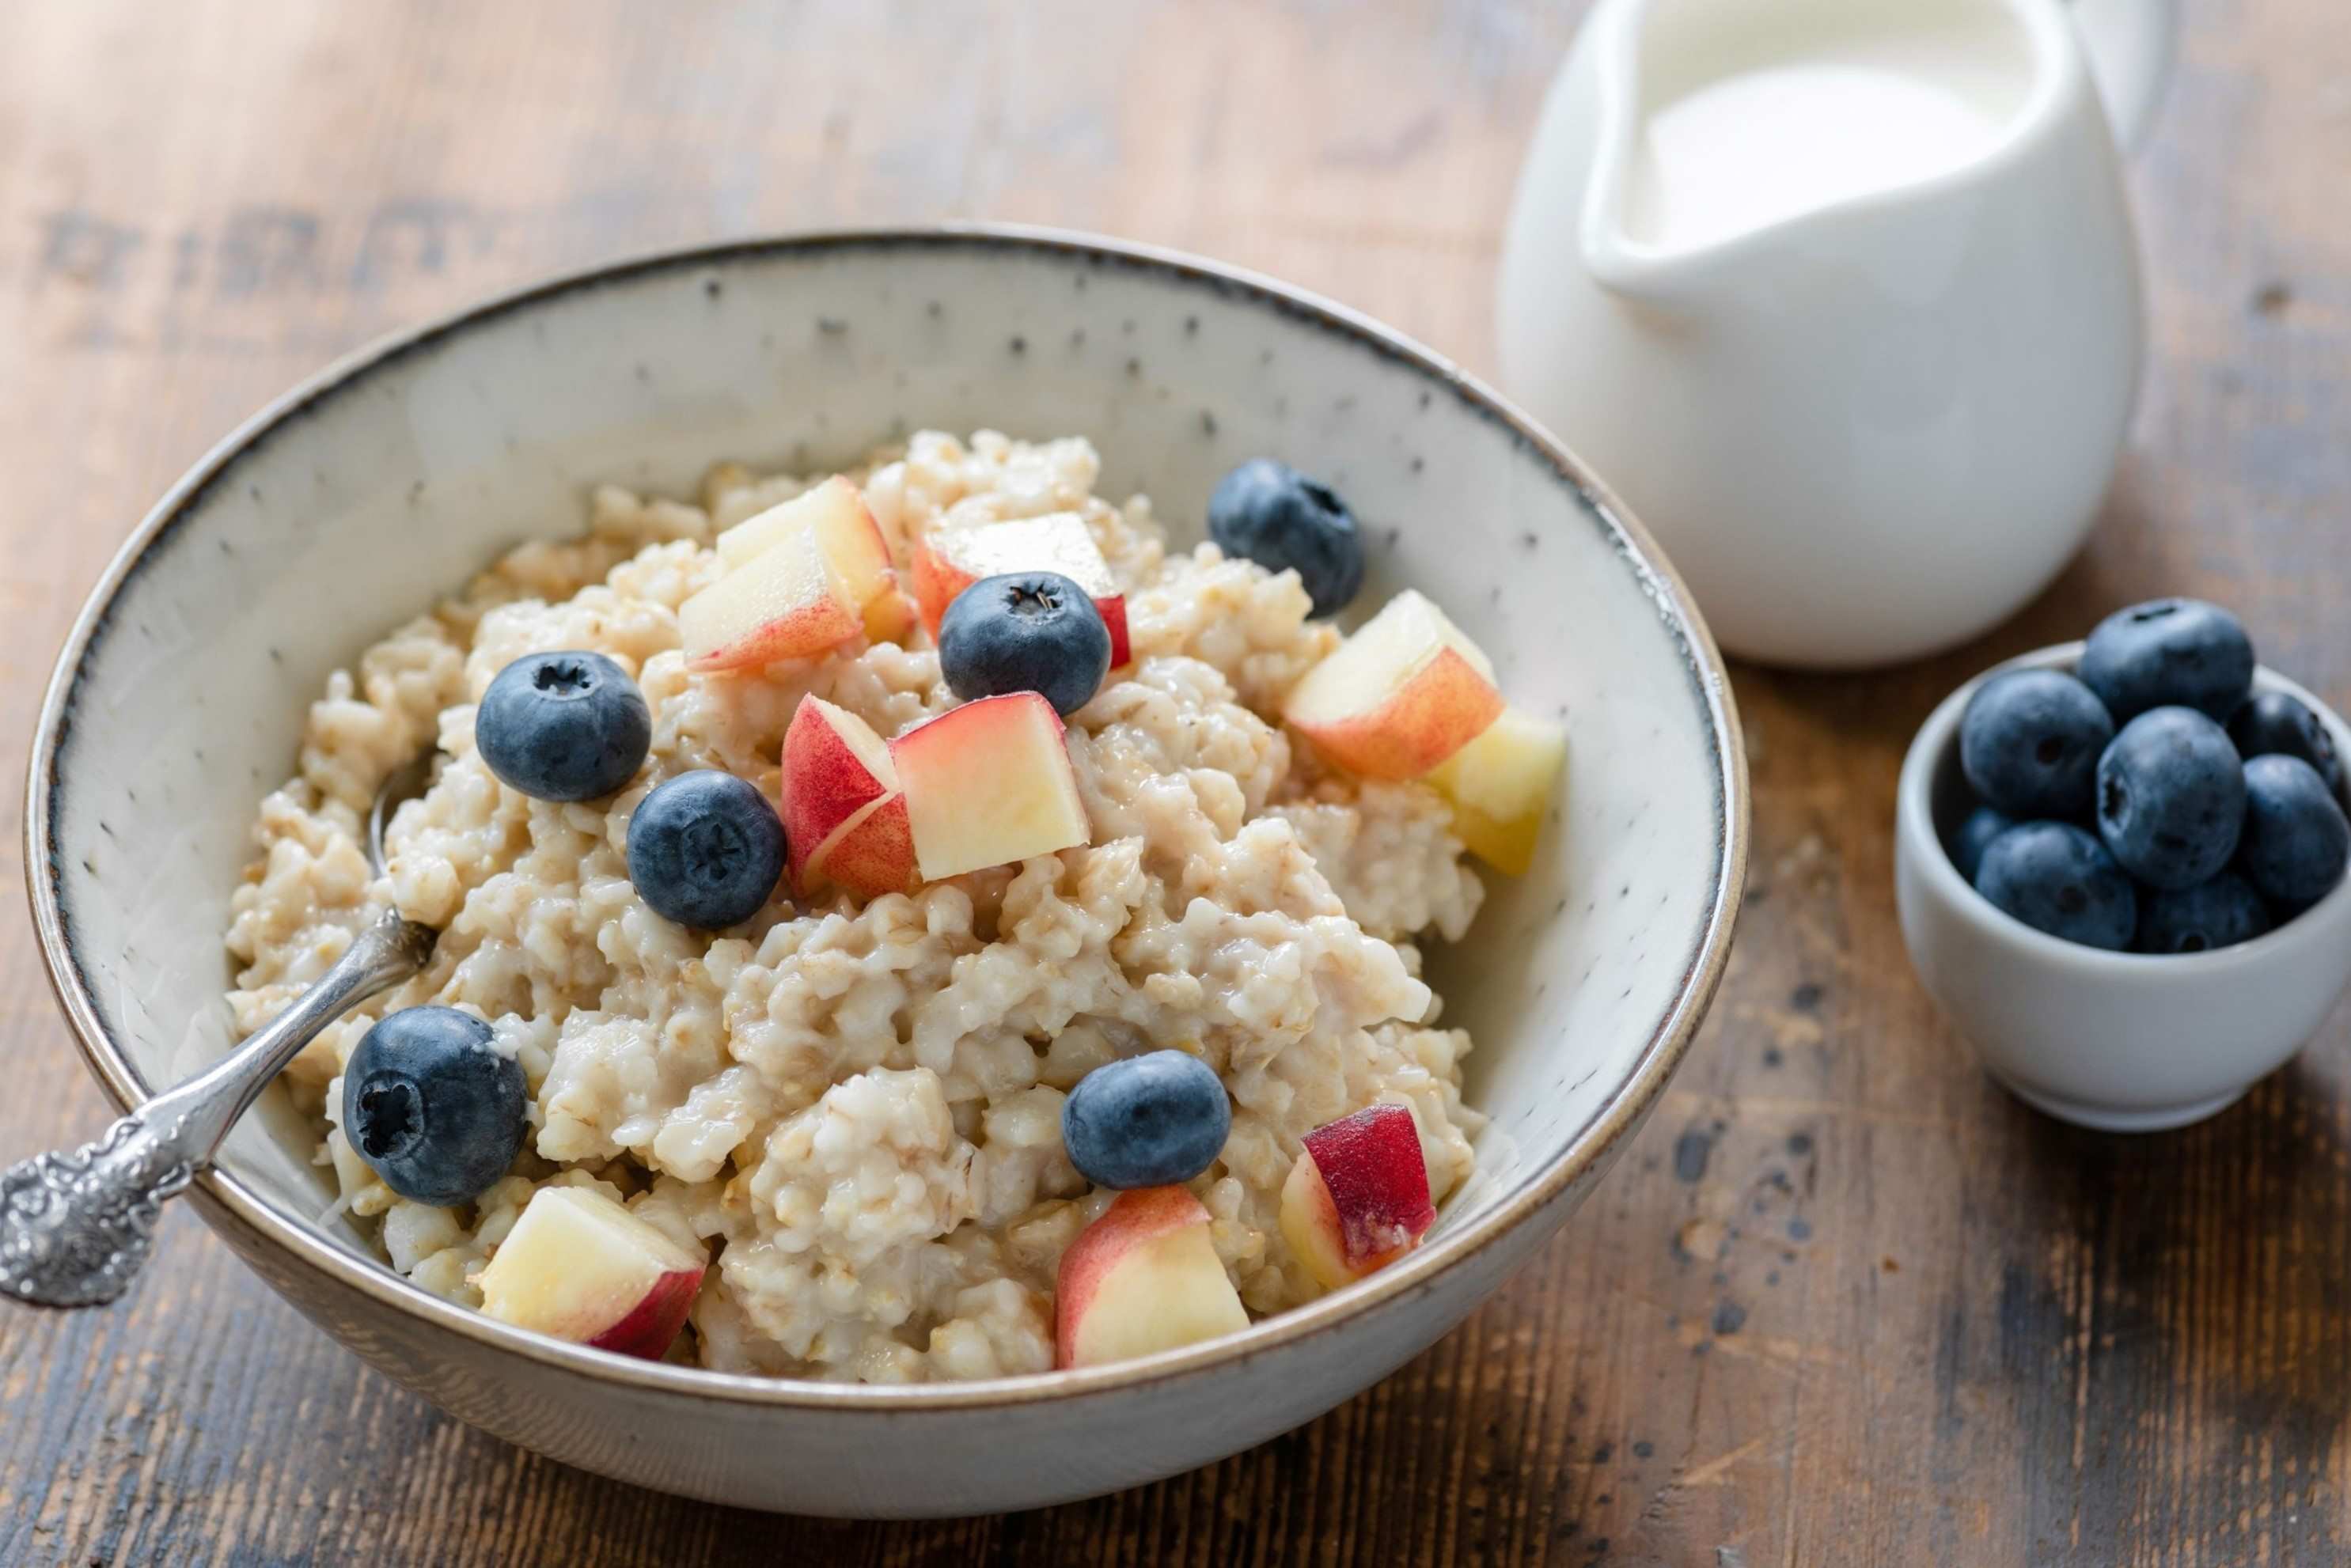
point(2126, 1042)
point(1843, 295)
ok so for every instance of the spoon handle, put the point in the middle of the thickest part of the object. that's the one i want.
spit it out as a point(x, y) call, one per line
point(75, 1227)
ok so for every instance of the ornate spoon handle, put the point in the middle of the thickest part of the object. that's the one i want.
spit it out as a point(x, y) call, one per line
point(75, 1227)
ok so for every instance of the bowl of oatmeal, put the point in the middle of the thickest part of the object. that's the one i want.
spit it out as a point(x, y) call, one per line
point(1104, 1071)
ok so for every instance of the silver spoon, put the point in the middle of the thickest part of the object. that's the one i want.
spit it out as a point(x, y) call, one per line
point(76, 1227)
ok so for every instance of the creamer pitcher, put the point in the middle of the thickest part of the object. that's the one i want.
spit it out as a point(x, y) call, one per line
point(1842, 297)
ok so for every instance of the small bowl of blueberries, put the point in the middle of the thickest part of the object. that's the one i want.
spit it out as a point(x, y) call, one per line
point(2120, 867)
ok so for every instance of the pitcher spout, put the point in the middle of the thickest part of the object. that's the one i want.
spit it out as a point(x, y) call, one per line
point(1682, 280)
point(1626, 247)
point(1614, 256)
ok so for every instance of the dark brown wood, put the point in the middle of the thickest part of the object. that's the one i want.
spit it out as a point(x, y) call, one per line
point(1845, 1301)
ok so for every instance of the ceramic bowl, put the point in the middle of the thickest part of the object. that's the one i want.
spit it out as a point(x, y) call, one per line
point(349, 505)
point(2124, 1042)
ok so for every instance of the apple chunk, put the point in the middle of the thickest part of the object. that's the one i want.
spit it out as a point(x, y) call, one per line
point(835, 767)
point(784, 603)
point(1357, 1199)
point(870, 854)
point(1398, 697)
point(1501, 787)
point(949, 560)
point(1145, 1277)
point(850, 541)
point(580, 1267)
point(988, 783)
point(844, 815)
point(835, 511)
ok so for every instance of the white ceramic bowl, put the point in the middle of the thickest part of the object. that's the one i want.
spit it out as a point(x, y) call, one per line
point(2124, 1042)
point(349, 505)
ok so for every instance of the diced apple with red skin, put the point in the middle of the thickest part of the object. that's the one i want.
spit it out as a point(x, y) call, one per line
point(1145, 1277)
point(872, 853)
point(787, 602)
point(990, 783)
point(1401, 695)
point(580, 1267)
point(844, 815)
point(1357, 1199)
point(835, 767)
point(948, 560)
point(1501, 786)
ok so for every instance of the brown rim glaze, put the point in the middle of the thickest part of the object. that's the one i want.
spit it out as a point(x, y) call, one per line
point(226, 1200)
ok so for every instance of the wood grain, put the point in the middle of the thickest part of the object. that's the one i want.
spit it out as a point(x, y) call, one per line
point(1843, 1303)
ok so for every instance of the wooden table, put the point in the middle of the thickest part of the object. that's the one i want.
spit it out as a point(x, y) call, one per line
point(1844, 1303)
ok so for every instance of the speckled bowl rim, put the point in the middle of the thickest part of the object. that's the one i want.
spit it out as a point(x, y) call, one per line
point(300, 1243)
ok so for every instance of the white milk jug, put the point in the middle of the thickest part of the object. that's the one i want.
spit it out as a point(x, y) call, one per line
point(1842, 297)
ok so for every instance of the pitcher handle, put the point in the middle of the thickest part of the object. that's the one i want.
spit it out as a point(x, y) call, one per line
point(2129, 44)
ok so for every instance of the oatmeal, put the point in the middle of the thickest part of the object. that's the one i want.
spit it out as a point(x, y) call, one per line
point(853, 1107)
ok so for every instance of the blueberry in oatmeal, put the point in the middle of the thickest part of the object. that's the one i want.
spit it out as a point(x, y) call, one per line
point(1146, 1121)
point(2029, 740)
point(1025, 632)
point(1270, 513)
point(2171, 798)
point(706, 849)
point(563, 726)
point(2220, 913)
point(2058, 879)
point(2168, 652)
point(2296, 840)
point(433, 1106)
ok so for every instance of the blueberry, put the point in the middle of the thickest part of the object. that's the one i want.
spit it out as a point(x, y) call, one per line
point(2171, 798)
point(1975, 836)
point(2029, 743)
point(432, 1107)
point(2168, 653)
point(1271, 514)
point(563, 726)
point(2220, 913)
point(705, 848)
point(1146, 1121)
point(2058, 879)
point(2274, 722)
point(1025, 632)
point(2296, 839)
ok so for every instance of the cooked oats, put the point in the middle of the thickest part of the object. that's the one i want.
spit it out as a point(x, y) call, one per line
point(856, 1108)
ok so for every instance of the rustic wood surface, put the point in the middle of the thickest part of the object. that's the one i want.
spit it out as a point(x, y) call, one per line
point(1844, 1303)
